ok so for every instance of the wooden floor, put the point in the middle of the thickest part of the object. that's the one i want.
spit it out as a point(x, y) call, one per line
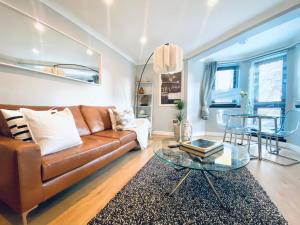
point(80, 203)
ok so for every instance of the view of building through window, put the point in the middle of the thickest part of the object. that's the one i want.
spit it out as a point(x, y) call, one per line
point(225, 81)
point(270, 81)
point(270, 88)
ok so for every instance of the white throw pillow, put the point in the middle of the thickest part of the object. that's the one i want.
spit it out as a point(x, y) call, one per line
point(121, 120)
point(52, 132)
point(17, 124)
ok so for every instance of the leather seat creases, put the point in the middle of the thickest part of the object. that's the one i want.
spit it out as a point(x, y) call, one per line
point(124, 136)
point(64, 161)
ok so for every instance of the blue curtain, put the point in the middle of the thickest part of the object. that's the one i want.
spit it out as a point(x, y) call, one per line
point(206, 88)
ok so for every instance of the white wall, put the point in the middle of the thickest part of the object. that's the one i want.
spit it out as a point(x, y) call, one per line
point(194, 79)
point(30, 88)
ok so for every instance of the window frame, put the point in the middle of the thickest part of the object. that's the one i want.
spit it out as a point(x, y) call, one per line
point(233, 103)
point(274, 104)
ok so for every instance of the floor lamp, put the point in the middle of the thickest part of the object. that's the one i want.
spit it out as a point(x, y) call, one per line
point(167, 59)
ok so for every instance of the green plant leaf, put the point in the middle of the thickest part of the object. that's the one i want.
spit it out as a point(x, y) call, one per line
point(180, 105)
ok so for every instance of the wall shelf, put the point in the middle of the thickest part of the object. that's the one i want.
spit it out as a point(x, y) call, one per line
point(144, 111)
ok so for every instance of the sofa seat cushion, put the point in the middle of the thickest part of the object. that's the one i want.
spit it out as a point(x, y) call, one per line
point(64, 161)
point(125, 136)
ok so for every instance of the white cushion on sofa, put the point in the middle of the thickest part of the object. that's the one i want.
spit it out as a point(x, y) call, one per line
point(121, 120)
point(52, 132)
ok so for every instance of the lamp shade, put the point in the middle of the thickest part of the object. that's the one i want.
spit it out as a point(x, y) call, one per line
point(167, 59)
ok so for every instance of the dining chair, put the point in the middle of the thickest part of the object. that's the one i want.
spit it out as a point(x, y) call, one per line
point(289, 126)
point(230, 124)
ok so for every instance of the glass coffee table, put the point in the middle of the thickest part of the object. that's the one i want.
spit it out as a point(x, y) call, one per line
point(230, 158)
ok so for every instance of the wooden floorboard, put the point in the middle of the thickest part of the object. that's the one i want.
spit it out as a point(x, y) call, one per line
point(78, 204)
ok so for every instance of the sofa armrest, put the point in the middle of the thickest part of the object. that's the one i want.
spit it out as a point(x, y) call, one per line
point(20, 174)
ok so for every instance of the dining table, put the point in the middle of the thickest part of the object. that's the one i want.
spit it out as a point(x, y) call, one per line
point(258, 131)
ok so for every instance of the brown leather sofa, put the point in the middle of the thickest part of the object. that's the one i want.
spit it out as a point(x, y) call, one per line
point(27, 178)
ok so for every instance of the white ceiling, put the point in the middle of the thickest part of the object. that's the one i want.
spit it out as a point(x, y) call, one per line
point(280, 36)
point(191, 24)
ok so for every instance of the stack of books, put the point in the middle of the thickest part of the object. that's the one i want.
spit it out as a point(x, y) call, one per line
point(201, 147)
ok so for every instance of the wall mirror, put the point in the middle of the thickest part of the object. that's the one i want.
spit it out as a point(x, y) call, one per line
point(32, 45)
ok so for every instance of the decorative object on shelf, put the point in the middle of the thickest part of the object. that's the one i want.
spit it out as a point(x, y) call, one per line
point(141, 91)
point(167, 59)
point(54, 70)
point(142, 112)
point(170, 88)
point(144, 100)
point(246, 104)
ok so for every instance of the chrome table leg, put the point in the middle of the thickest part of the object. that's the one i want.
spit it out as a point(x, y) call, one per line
point(213, 188)
point(183, 178)
point(181, 181)
point(210, 173)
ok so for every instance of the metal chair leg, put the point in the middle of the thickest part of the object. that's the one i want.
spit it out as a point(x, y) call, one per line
point(267, 138)
point(225, 132)
point(252, 157)
point(249, 142)
point(276, 153)
point(277, 145)
point(242, 141)
point(230, 137)
point(235, 138)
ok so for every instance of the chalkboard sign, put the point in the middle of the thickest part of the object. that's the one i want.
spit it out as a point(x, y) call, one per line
point(170, 88)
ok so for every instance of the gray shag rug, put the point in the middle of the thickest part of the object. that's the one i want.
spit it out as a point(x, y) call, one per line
point(144, 200)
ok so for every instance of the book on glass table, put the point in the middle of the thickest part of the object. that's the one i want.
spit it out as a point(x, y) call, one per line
point(201, 154)
point(202, 145)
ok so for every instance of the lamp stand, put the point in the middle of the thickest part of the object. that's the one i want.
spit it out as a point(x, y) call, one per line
point(139, 85)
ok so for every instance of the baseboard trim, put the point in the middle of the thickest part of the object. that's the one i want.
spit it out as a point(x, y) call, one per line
point(163, 133)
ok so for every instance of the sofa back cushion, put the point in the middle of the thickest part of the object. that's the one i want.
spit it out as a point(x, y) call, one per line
point(79, 121)
point(81, 125)
point(96, 117)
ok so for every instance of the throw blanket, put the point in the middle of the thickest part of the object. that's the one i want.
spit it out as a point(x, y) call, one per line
point(141, 128)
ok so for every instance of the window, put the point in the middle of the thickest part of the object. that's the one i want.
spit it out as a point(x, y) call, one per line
point(225, 82)
point(270, 86)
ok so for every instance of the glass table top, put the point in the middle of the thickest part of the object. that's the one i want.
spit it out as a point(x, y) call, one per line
point(230, 158)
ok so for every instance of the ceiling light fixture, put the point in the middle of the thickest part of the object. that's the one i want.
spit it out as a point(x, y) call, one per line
point(40, 27)
point(35, 51)
point(89, 52)
point(212, 3)
point(108, 2)
point(143, 40)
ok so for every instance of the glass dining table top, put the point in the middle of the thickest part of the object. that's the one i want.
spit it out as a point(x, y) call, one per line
point(254, 115)
point(230, 158)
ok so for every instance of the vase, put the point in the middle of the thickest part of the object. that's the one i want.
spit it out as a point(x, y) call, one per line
point(186, 131)
point(248, 108)
point(141, 91)
point(182, 131)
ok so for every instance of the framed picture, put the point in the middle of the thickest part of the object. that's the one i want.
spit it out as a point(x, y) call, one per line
point(171, 88)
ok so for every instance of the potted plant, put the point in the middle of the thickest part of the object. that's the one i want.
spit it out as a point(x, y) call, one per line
point(178, 122)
